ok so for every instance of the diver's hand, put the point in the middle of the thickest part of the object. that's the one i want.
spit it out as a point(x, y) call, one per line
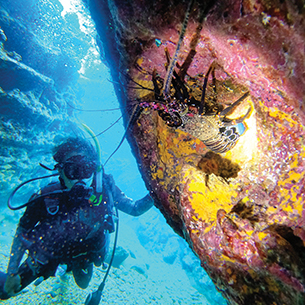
point(12, 284)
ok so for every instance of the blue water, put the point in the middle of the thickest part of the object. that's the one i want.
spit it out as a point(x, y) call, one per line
point(59, 43)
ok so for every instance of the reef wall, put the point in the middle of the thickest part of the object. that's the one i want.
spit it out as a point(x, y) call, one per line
point(38, 71)
point(227, 176)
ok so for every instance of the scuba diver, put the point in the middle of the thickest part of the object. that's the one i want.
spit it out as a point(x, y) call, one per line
point(67, 222)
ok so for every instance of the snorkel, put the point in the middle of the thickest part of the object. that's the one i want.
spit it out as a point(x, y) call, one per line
point(100, 169)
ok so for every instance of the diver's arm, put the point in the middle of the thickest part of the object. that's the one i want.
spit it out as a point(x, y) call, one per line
point(17, 251)
point(126, 204)
point(28, 221)
point(12, 283)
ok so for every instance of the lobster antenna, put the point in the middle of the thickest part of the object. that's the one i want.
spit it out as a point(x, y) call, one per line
point(135, 114)
point(170, 70)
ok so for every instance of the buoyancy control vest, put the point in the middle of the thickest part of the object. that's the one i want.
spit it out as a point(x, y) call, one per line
point(73, 223)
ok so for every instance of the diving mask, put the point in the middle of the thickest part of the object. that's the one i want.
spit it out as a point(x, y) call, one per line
point(77, 168)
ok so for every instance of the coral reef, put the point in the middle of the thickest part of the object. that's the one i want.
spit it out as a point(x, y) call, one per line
point(246, 222)
point(36, 83)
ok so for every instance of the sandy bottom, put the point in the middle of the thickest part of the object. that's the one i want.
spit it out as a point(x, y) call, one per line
point(141, 279)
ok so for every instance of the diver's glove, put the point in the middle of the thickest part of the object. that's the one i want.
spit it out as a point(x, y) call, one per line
point(12, 284)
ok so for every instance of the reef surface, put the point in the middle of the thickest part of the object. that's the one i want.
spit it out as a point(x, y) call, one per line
point(239, 205)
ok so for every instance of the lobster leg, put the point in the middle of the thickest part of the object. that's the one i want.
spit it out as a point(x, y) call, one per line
point(156, 87)
point(204, 87)
point(231, 108)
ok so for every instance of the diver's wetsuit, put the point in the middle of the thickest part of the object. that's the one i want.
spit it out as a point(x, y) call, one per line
point(69, 228)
